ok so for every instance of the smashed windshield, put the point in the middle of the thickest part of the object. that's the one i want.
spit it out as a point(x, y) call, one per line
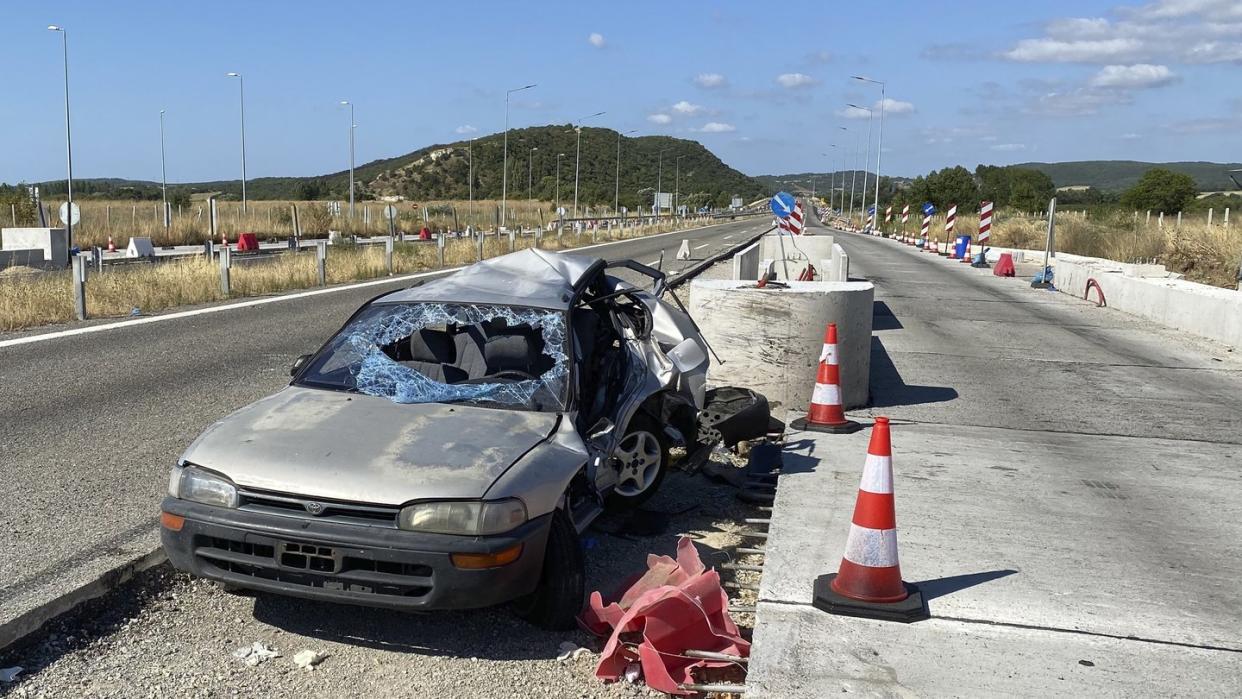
point(435, 353)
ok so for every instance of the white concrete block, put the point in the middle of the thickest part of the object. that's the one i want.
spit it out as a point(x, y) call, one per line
point(54, 242)
point(140, 247)
point(770, 339)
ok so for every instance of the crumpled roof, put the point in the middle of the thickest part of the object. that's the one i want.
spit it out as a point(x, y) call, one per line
point(536, 278)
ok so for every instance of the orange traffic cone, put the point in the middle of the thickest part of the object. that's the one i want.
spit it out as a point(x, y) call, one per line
point(827, 413)
point(868, 583)
point(111, 245)
point(224, 239)
point(966, 256)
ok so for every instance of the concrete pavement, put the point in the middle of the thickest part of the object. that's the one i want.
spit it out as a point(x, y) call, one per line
point(1068, 492)
point(90, 424)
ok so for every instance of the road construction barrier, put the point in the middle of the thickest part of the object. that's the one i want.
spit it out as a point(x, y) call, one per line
point(826, 413)
point(868, 582)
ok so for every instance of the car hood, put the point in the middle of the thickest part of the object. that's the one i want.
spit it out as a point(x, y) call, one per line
point(367, 449)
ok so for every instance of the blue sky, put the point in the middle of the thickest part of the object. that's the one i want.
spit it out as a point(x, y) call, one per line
point(763, 86)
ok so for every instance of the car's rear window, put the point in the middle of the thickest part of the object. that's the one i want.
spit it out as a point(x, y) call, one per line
point(500, 356)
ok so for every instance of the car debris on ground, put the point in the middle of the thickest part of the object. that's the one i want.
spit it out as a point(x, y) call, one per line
point(256, 653)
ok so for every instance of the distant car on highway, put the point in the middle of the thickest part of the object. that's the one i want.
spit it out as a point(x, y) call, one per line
point(448, 445)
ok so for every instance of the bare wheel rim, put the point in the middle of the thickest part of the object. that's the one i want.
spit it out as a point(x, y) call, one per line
point(639, 457)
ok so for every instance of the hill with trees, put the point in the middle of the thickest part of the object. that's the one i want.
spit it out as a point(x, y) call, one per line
point(1119, 175)
point(443, 171)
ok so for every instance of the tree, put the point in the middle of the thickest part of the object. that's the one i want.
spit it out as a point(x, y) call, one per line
point(994, 183)
point(1029, 190)
point(1161, 190)
point(953, 185)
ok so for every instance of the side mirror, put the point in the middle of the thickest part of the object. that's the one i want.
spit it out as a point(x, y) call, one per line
point(601, 429)
point(687, 355)
point(298, 364)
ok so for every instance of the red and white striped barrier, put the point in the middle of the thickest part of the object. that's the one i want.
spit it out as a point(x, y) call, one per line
point(950, 220)
point(926, 228)
point(985, 222)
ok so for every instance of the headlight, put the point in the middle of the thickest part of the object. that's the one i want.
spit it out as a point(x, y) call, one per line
point(197, 485)
point(471, 518)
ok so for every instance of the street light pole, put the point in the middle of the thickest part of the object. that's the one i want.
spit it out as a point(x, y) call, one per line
point(504, 177)
point(352, 126)
point(470, 173)
point(879, 147)
point(578, 156)
point(163, 173)
point(866, 159)
point(530, 168)
point(659, 182)
point(616, 197)
point(241, 93)
point(832, 177)
point(64, 36)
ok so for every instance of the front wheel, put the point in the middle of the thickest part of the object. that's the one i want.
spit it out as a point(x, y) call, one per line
point(641, 459)
point(556, 602)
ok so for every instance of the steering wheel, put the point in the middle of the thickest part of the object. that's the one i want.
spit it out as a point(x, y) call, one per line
point(512, 372)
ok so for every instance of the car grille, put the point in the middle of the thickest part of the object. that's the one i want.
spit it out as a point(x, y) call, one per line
point(315, 565)
point(328, 510)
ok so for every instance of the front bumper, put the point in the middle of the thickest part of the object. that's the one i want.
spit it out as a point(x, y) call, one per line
point(355, 564)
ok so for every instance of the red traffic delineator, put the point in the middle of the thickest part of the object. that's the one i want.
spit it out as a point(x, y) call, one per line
point(827, 413)
point(111, 245)
point(868, 583)
point(247, 242)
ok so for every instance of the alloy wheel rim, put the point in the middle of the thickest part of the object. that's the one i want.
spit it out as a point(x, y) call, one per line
point(639, 456)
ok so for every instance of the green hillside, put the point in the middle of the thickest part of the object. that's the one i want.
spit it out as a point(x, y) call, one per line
point(1117, 175)
point(442, 172)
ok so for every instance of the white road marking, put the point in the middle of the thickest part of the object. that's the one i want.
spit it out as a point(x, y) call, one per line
point(728, 237)
point(29, 339)
point(700, 247)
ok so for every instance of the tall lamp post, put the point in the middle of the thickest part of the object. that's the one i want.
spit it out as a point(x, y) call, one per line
point(241, 94)
point(352, 126)
point(530, 169)
point(616, 196)
point(163, 174)
point(470, 174)
point(843, 158)
point(578, 156)
point(64, 36)
point(504, 177)
point(879, 146)
point(832, 176)
point(867, 158)
point(677, 182)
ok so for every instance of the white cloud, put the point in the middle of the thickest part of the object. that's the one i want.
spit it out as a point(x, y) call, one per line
point(684, 107)
point(820, 57)
point(795, 80)
point(465, 129)
point(597, 40)
point(853, 113)
point(710, 80)
point(717, 127)
point(1008, 147)
point(1084, 51)
point(1139, 75)
point(892, 106)
point(659, 118)
point(1077, 102)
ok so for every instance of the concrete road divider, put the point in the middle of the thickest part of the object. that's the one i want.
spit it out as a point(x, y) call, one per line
point(770, 338)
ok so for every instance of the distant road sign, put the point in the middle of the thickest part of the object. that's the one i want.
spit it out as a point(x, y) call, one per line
point(65, 213)
point(783, 204)
point(390, 212)
point(929, 209)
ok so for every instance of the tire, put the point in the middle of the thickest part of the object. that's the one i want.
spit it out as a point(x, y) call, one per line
point(635, 487)
point(556, 602)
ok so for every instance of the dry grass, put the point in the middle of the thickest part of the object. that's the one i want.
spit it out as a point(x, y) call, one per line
point(29, 298)
point(273, 219)
point(1205, 254)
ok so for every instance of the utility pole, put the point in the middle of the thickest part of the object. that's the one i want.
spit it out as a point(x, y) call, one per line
point(578, 156)
point(677, 183)
point(64, 36)
point(352, 126)
point(504, 177)
point(879, 148)
point(558, 182)
point(163, 174)
point(616, 196)
point(241, 93)
point(530, 165)
point(867, 157)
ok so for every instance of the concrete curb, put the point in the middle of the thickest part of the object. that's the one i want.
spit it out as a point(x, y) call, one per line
point(34, 619)
point(31, 621)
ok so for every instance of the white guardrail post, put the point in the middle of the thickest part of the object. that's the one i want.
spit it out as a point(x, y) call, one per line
point(388, 255)
point(440, 243)
point(226, 254)
point(79, 286)
point(321, 261)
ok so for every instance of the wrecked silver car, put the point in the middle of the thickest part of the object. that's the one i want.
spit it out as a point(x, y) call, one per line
point(447, 446)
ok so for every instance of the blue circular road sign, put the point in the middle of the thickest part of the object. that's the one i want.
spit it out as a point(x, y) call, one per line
point(783, 204)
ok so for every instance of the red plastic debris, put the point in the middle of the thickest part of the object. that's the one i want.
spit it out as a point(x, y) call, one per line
point(247, 241)
point(1004, 266)
point(677, 605)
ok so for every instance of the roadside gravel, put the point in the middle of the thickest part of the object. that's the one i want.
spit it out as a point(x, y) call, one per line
point(165, 634)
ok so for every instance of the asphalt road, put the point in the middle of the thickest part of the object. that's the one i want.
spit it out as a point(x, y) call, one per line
point(90, 424)
point(1068, 486)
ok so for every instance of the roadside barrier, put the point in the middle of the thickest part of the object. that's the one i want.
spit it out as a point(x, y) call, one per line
point(826, 413)
point(1093, 284)
point(868, 583)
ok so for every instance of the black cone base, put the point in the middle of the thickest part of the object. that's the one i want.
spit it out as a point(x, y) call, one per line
point(982, 264)
point(912, 608)
point(847, 427)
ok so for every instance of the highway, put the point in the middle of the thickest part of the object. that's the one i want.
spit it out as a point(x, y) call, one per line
point(1068, 488)
point(91, 423)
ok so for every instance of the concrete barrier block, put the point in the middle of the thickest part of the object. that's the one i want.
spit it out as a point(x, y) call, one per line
point(139, 247)
point(22, 258)
point(770, 339)
point(54, 242)
point(746, 263)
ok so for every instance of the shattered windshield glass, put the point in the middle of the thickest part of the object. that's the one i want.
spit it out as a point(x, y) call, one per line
point(500, 356)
